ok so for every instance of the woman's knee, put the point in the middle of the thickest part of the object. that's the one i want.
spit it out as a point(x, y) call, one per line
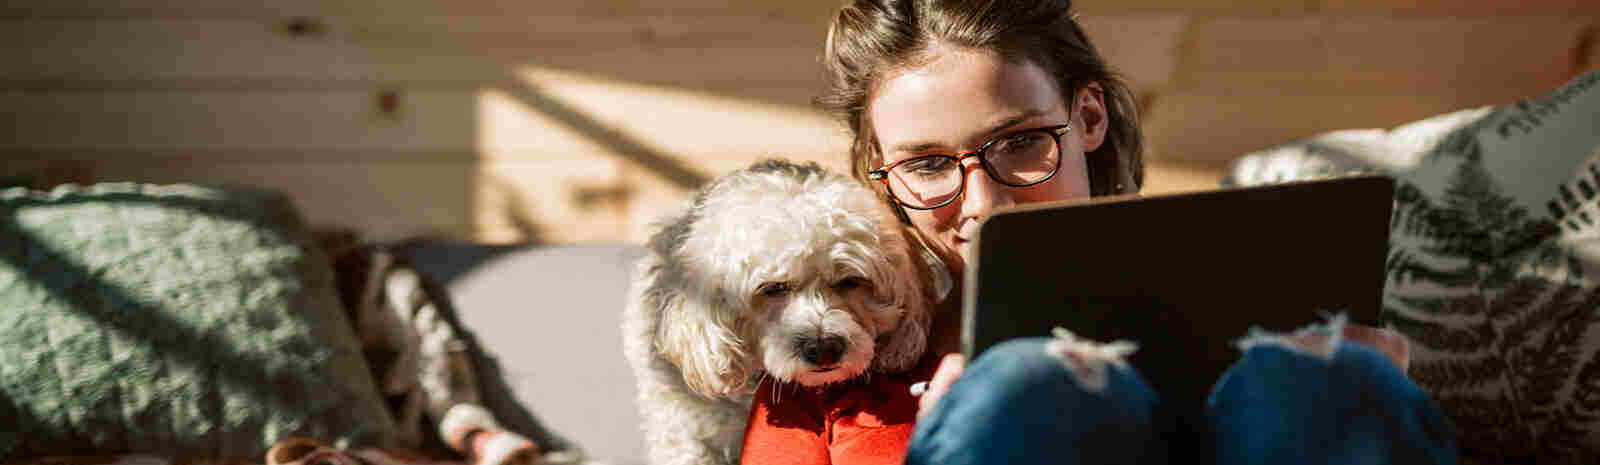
point(1351, 401)
point(1038, 395)
point(1057, 364)
point(1352, 365)
point(1050, 377)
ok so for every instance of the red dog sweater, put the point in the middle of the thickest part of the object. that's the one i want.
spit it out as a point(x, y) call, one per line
point(860, 422)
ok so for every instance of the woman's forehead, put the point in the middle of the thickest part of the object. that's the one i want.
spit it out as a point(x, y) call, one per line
point(958, 100)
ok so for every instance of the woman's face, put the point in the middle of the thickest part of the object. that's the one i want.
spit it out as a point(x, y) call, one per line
point(957, 101)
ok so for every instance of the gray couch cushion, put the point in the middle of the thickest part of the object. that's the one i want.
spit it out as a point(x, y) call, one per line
point(548, 320)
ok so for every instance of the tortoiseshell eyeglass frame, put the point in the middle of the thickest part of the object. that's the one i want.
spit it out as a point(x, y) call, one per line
point(882, 174)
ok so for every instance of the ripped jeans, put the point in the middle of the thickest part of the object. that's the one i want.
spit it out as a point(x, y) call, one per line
point(1066, 401)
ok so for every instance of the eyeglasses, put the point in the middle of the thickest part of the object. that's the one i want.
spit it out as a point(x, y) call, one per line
point(1019, 159)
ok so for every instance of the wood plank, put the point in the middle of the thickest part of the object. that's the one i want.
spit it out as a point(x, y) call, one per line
point(169, 9)
point(1234, 7)
point(509, 201)
point(401, 8)
point(247, 121)
point(656, 200)
point(1248, 44)
point(573, 200)
point(1141, 47)
point(1433, 8)
point(1168, 177)
point(1507, 58)
point(387, 200)
point(719, 133)
point(195, 43)
point(1217, 128)
point(723, 54)
point(583, 31)
point(1531, 55)
point(144, 49)
point(790, 76)
point(1440, 8)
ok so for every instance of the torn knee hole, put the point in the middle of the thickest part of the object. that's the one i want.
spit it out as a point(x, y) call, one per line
point(1086, 360)
point(1319, 340)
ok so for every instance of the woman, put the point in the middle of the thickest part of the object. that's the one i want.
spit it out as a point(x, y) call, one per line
point(962, 107)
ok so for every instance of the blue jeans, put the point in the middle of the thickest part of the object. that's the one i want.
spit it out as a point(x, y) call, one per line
point(1019, 404)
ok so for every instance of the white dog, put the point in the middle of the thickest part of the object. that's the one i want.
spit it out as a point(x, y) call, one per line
point(777, 270)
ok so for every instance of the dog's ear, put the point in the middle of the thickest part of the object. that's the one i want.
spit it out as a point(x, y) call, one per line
point(707, 351)
point(905, 280)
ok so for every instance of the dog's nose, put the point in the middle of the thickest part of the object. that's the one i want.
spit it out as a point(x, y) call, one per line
point(821, 351)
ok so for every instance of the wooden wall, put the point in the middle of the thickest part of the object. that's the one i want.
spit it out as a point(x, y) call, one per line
point(569, 121)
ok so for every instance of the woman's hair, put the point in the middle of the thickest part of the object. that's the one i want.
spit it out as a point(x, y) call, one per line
point(869, 39)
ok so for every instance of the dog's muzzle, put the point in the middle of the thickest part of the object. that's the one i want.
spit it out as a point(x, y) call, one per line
point(823, 351)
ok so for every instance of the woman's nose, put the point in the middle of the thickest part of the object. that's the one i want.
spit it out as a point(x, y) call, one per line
point(983, 194)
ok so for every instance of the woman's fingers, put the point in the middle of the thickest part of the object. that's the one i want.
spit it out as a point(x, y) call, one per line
point(1387, 341)
point(950, 369)
point(1393, 345)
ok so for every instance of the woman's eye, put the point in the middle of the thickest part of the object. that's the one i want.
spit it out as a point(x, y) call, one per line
point(927, 167)
point(851, 283)
point(773, 289)
point(1014, 145)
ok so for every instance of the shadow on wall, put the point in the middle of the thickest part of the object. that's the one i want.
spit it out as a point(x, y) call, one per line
point(617, 141)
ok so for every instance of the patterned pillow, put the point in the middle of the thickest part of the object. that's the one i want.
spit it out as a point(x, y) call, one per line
point(1493, 262)
point(178, 320)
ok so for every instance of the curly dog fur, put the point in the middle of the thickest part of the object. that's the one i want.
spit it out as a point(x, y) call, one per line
point(778, 270)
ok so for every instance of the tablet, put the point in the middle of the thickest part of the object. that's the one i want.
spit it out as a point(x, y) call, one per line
point(1185, 275)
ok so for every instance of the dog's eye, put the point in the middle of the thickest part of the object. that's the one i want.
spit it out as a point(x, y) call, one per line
point(773, 289)
point(851, 283)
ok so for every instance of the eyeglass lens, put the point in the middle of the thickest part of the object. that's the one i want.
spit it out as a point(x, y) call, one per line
point(1017, 160)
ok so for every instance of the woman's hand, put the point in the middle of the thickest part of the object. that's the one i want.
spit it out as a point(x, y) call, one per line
point(1387, 341)
point(950, 369)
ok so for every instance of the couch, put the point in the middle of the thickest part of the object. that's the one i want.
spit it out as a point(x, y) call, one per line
point(1490, 274)
point(550, 316)
point(183, 323)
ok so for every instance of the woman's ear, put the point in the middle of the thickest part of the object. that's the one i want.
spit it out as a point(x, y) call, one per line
point(1089, 111)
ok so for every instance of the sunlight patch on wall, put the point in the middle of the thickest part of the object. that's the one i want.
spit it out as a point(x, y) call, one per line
point(568, 157)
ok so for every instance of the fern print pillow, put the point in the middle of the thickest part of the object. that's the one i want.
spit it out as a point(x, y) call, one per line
point(1492, 266)
point(1494, 261)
